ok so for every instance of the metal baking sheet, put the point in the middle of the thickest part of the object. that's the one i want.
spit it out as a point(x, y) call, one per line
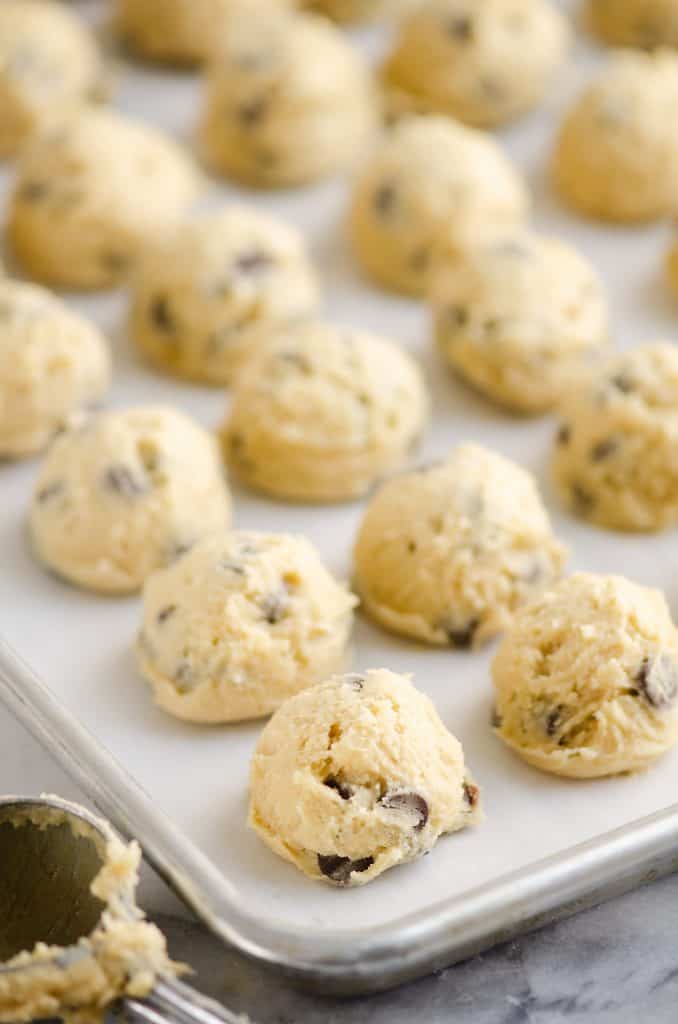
point(526, 862)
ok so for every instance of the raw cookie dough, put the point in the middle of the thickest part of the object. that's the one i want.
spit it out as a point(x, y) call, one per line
point(432, 184)
point(484, 63)
point(92, 194)
point(123, 955)
point(643, 23)
point(180, 31)
point(239, 624)
point(615, 459)
point(208, 298)
point(586, 680)
point(449, 552)
point(53, 363)
point(323, 413)
point(124, 494)
point(357, 775)
point(49, 63)
point(614, 157)
point(288, 100)
point(517, 317)
point(360, 10)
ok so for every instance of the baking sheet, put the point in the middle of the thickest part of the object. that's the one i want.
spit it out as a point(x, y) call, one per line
point(81, 644)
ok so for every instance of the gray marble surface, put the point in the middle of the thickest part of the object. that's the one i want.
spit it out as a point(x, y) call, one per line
point(616, 964)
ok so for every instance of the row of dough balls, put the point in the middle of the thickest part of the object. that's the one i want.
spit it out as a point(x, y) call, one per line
point(320, 413)
point(358, 774)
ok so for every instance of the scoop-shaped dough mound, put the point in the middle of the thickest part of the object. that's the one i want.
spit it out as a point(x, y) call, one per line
point(432, 184)
point(615, 158)
point(124, 494)
point(207, 298)
point(92, 194)
point(53, 363)
point(485, 62)
point(181, 31)
point(239, 624)
point(586, 680)
point(615, 459)
point(49, 63)
point(643, 23)
point(449, 552)
point(517, 317)
point(288, 101)
point(357, 775)
point(323, 413)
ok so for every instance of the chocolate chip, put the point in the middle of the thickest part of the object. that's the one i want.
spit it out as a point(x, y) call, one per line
point(274, 606)
point(161, 314)
point(460, 28)
point(179, 549)
point(553, 719)
point(657, 680)
point(409, 803)
point(496, 719)
point(604, 449)
point(471, 793)
point(462, 637)
point(122, 480)
point(582, 500)
point(50, 491)
point(252, 112)
point(33, 191)
point(184, 677)
point(411, 546)
point(491, 324)
point(385, 199)
point(340, 869)
point(457, 316)
point(344, 791)
point(622, 382)
point(166, 613)
point(254, 261)
point(354, 680)
point(564, 435)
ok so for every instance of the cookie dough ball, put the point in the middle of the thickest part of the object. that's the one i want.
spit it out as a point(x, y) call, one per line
point(241, 623)
point(642, 23)
point(211, 295)
point(92, 194)
point(483, 63)
point(288, 100)
point(615, 459)
point(124, 494)
point(518, 317)
point(449, 552)
point(432, 179)
point(614, 158)
point(53, 363)
point(586, 680)
point(360, 10)
point(324, 413)
point(356, 776)
point(180, 31)
point(49, 62)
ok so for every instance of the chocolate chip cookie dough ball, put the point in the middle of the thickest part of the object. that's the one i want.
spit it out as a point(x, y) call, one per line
point(615, 458)
point(49, 63)
point(124, 494)
point(92, 194)
point(614, 158)
point(447, 553)
point(518, 317)
point(288, 100)
point(431, 180)
point(586, 680)
point(324, 413)
point(207, 299)
point(356, 776)
point(181, 31)
point(484, 63)
point(241, 623)
point(642, 23)
point(53, 363)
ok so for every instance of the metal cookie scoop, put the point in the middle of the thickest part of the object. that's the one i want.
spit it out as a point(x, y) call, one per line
point(69, 923)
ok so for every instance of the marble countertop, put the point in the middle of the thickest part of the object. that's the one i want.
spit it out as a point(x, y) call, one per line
point(616, 964)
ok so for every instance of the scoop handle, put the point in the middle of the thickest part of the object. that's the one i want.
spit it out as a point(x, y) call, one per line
point(173, 1002)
